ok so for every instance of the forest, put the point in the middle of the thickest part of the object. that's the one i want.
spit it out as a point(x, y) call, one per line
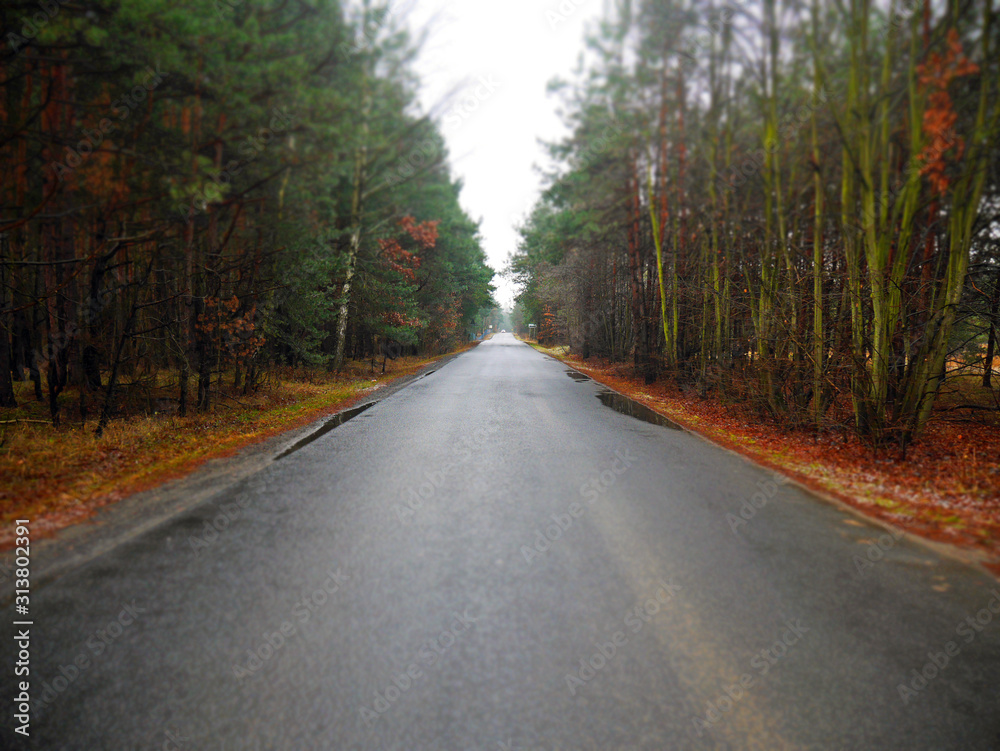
point(790, 205)
point(196, 192)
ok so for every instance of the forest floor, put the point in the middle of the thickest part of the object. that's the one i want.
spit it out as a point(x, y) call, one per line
point(947, 488)
point(57, 476)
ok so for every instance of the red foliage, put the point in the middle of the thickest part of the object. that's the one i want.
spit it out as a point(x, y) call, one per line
point(443, 323)
point(395, 318)
point(548, 328)
point(940, 117)
point(221, 323)
point(395, 257)
point(425, 234)
point(403, 261)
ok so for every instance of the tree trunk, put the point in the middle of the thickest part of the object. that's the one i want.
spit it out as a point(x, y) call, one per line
point(659, 221)
point(641, 352)
point(7, 398)
point(109, 394)
point(991, 339)
point(357, 210)
point(90, 358)
point(186, 326)
point(818, 347)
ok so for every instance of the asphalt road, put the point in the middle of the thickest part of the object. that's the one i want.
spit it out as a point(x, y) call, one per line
point(491, 558)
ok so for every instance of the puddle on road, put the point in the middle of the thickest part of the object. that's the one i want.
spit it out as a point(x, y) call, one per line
point(577, 376)
point(334, 422)
point(634, 409)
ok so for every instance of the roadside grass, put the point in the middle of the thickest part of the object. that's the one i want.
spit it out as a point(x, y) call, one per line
point(946, 489)
point(60, 475)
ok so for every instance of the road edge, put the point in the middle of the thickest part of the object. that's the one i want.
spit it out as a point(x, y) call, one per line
point(111, 526)
point(976, 559)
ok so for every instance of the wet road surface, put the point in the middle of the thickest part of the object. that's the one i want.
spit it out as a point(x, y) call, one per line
point(492, 558)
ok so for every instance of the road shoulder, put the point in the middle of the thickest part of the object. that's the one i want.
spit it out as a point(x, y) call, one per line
point(116, 523)
point(857, 504)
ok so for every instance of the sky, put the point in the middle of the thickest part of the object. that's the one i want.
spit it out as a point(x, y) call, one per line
point(495, 59)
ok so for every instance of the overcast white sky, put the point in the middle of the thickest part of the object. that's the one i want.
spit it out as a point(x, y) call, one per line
point(499, 55)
